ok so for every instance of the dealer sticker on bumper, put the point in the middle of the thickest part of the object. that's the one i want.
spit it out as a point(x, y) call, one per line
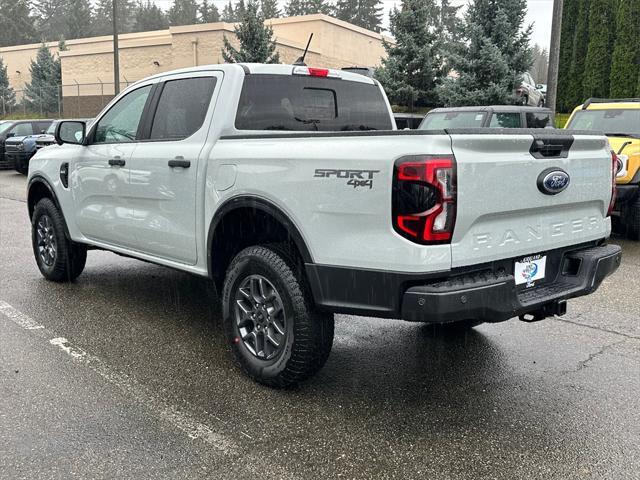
point(530, 269)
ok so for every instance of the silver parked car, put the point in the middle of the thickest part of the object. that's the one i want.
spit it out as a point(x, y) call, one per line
point(527, 93)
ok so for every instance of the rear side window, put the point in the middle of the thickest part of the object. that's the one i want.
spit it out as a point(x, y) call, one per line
point(506, 120)
point(182, 107)
point(538, 120)
point(297, 103)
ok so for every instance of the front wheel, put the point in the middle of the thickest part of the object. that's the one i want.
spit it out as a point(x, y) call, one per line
point(274, 334)
point(58, 258)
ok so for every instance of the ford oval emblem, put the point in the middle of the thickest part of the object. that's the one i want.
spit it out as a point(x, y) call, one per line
point(553, 181)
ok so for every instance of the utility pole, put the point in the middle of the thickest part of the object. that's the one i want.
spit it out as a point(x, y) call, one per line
point(116, 53)
point(554, 55)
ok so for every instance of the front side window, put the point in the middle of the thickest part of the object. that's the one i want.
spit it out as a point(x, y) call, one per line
point(300, 103)
point(505, 120)
point(120, 123)
point(182, 107)
point(442, 120)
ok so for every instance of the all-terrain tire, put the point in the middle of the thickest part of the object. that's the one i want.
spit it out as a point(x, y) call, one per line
point(633, 218)
point(308, 334)
point(65, 259)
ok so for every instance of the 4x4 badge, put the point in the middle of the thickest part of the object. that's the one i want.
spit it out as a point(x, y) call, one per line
point(355, 178)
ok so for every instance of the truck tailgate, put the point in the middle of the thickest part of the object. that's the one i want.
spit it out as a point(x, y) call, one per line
point(503, 213)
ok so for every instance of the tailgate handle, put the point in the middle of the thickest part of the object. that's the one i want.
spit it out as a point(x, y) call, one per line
point(551, 147)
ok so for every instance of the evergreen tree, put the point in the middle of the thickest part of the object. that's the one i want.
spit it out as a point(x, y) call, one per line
point(364, 13)
point(450, 23)
point(17, 26)
point(208, 12)
point(413, 66)
point(149, 17)
point(296, 8)
point(625, 63)
point(570, 11)
point(270, 9)
point(7, 95)
point(228, 15)
point(255, 38)
point(50, 18)
point(598, 61)
point(496, 54)
point(78, 19)
point(318, 6)
point(540, 64)
point(103, 19)
point(183, 12)
point(574, 94)
point(239, 10)
point(42, 92)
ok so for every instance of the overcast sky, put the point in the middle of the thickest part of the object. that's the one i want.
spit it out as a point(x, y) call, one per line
point(539, 14)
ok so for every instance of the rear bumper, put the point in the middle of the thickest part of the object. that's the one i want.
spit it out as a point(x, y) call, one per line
point(486, 293)
point(492, 297)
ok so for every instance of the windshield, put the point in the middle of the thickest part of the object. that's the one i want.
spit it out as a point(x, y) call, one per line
point(298, 103)
point(441, 120)
point(614, 121)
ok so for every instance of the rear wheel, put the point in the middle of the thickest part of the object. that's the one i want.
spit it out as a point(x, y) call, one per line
point(633, 219)
point(58, 258)
point(274, 334)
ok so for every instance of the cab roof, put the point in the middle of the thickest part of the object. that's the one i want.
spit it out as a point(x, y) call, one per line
point(610, 104)
point(268, 69)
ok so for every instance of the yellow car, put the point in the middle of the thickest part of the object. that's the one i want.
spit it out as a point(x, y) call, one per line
point(619, 119)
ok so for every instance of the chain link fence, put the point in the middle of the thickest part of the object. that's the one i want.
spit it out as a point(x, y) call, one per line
point(77, 100)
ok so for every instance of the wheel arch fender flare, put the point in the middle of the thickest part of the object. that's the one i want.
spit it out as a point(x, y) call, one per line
point(38, 182)
point(263, 205)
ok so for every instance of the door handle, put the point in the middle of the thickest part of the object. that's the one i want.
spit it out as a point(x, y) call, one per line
point(179, 162)
point(116, 162)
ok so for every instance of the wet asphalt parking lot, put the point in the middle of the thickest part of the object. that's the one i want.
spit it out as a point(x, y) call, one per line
point(124, 374)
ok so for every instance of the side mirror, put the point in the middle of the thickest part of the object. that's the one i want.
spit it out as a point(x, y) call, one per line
point(72, 132)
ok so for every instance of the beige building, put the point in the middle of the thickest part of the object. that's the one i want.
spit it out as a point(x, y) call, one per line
point(87, 65)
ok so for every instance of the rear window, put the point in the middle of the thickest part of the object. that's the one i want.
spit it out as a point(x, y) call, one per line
point(296, 103)
point(441, 120)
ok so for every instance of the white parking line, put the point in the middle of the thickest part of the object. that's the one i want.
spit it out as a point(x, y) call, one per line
point(167, 412)
point(18, 317)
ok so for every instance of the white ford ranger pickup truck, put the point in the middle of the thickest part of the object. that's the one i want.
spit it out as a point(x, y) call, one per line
point(290, 188)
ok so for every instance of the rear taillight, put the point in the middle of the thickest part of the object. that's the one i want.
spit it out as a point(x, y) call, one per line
point(424, 198)
point(614, 172)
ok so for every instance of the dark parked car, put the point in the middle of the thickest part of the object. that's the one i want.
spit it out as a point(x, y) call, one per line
point(496, 116)
point(18, 128)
